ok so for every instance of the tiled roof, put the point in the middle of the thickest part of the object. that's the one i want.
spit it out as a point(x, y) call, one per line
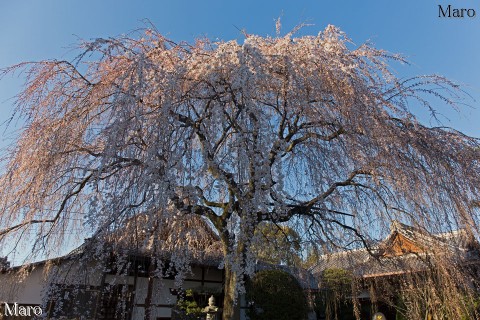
point(454, 246)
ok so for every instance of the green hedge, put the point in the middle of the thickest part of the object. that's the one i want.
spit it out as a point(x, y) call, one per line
point(275, 294)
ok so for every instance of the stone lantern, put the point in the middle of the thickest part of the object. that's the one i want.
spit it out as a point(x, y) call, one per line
point(379, 316)
point(211, 310)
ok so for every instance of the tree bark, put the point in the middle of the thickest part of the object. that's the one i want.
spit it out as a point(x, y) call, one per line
point(231, 299)
point(229, 312)
point(229, 294)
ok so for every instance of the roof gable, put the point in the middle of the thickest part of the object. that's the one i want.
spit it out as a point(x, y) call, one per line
point(405, 249)
point(398, 244)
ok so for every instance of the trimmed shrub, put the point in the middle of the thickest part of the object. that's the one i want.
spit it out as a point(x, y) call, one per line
point(275, 294)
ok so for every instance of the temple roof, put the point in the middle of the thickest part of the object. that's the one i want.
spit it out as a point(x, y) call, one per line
point(405, 249)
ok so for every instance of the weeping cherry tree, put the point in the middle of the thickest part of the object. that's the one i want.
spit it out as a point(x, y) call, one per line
point(308, 132)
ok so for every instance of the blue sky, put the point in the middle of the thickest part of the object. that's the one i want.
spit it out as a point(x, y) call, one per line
point(47, 29)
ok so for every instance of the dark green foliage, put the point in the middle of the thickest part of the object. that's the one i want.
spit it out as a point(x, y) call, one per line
point(333, 301)
point(401, 309)
point(278, 244)
point(325, 308)
point(191, 303)
point(275, 294)
point(472, 306)
point(188, 304)
point(336, 279)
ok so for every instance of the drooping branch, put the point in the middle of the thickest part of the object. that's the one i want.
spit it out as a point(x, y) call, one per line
point(333, 187)
point(316, 137)
point(23, 224)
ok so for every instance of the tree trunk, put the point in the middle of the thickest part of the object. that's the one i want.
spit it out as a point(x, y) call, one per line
point(230, 309)
point(230, 312)
point(229, 294)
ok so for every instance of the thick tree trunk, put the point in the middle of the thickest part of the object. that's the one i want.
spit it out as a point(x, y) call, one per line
point(230, 307)
point(231, 310)
point(229, 281)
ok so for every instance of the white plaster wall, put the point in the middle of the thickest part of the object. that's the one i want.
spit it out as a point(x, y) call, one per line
point(141, 290)
point(161, 292)
point(24, 289)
